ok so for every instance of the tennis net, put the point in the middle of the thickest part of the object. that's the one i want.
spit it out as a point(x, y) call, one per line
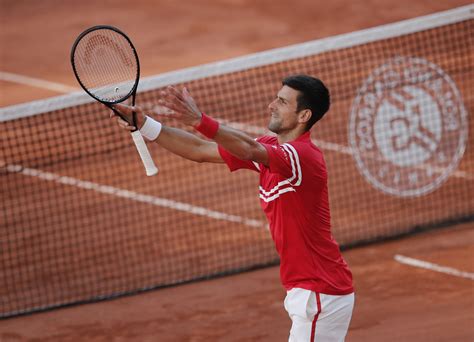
point(80, 221)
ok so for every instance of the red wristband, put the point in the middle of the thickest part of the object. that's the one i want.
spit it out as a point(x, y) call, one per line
point(208, 126)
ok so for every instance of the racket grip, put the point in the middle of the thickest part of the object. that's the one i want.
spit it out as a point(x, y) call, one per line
point(142, 149)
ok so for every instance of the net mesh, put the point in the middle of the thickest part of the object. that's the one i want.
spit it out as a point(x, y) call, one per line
point(81, 222)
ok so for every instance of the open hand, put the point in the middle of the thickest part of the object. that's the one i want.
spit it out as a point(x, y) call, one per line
point(180, 105)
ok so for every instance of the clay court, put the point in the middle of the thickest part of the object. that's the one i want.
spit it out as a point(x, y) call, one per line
point(394, 301)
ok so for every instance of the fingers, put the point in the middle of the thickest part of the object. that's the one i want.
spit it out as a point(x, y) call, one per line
point(171, 102)
point(119, 113)
point(176, 100)
point(180, 104)
point(172, 95)
point(169, 107)
point(161, 109)
point(124, 109)
point(126, 113)
point(121, 122)
point(174, 91)
point(186, 94)
point(125, 125)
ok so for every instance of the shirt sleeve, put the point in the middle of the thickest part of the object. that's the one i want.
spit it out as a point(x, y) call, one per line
point(234, 163)
point(284, 160)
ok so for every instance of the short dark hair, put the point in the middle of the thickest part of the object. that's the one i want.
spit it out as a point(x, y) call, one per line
point(313, 96)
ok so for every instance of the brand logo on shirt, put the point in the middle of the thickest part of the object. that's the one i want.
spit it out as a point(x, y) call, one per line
point(408, 127)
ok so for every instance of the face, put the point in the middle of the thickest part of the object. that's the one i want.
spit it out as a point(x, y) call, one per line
point(283, 115)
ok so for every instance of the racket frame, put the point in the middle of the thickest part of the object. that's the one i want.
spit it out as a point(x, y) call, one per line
point(140, 144)
point(133, 91)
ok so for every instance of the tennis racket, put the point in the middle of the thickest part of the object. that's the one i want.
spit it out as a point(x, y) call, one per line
point(106, 65)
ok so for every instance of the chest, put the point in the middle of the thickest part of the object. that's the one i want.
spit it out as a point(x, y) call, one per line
point(276, 193)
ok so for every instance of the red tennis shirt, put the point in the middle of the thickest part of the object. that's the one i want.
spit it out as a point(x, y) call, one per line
point(294, 197)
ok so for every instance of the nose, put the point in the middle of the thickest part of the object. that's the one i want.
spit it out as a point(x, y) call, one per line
point(271, 105)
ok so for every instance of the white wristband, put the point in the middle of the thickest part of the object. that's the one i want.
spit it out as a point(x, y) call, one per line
point(151, 129)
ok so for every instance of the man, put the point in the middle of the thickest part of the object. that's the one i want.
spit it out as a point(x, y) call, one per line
point(293, 194)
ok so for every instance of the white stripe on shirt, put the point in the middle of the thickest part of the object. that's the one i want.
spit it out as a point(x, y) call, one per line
point(296, 174)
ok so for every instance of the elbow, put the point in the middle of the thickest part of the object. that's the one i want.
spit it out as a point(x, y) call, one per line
point(198, 158)
point(252, 151)
point(248, 153)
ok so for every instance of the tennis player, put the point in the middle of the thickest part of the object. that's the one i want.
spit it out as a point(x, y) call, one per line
point(293, 194)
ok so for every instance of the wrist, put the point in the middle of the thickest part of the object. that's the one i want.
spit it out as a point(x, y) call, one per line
point(207, 126)
point(151, 129)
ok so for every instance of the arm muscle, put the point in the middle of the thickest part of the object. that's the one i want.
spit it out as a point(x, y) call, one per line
point(189, 146)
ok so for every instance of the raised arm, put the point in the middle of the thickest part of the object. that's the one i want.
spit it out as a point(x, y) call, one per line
point(182, 107)
point(177, 141)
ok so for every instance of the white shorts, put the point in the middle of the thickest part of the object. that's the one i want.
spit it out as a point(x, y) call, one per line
point(318, 317)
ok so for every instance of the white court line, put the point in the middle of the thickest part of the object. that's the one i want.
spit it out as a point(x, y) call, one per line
point(131, 195)
point(36, 82)
point(433, 267)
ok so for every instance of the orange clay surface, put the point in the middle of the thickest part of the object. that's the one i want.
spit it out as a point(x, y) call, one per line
point(394, 303)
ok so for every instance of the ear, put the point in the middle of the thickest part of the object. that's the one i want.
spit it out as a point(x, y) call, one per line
point(304, 116)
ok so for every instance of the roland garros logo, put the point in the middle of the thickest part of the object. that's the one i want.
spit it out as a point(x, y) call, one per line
point(408, 127)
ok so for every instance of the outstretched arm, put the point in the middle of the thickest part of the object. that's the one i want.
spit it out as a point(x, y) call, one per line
point(175, 140)
point(182, 107)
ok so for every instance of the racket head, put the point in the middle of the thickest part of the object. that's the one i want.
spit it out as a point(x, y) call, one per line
point(106, 64)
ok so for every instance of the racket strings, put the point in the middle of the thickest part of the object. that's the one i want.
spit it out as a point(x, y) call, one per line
point(106, 65)
point(109, 62)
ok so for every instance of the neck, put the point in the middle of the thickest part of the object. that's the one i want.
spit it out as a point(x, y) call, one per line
point(285, 137)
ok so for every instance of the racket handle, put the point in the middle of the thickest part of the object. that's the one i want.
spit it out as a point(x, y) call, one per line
point(150, 166)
